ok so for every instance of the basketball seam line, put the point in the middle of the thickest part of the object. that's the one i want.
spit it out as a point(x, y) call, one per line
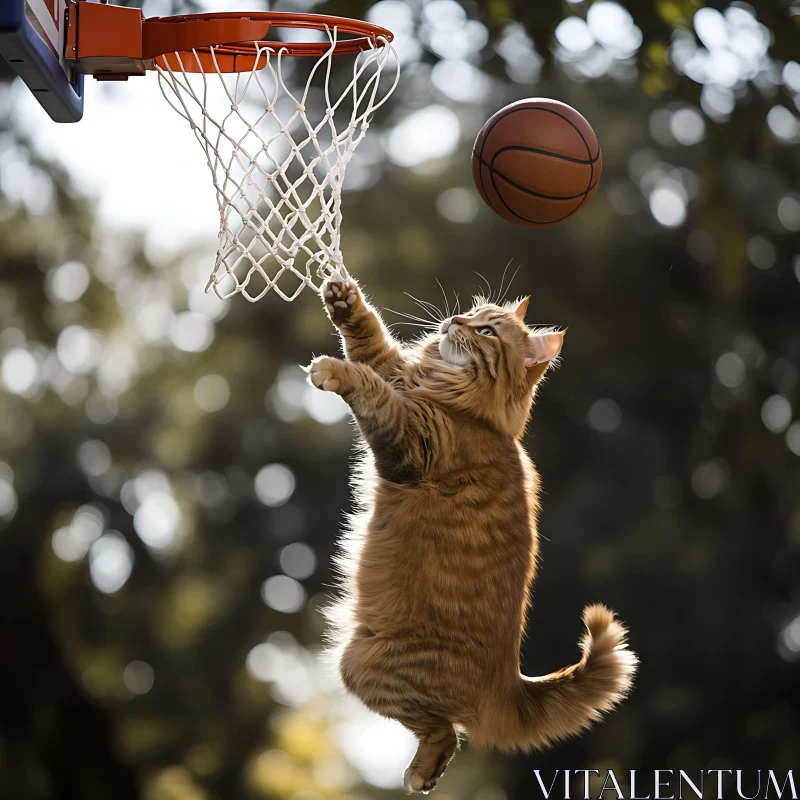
point(534, 221)
point(582, 195)
point(549, 111)
point(547, 153)
point(505, 177)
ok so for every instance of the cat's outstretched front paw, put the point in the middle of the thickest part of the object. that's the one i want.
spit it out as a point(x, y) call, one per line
point(323, 374)
point(341, 295)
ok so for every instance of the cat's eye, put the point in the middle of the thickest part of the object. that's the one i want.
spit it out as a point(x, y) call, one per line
point(486, 332)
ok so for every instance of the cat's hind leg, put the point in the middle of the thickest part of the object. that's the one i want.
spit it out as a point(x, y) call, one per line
point(371, 668)
point(436, 747)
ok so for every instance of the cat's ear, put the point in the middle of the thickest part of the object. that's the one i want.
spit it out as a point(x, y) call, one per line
point(542, 349)
point(522, 308)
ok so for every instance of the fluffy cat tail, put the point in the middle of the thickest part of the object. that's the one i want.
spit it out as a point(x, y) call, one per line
point(564, 703)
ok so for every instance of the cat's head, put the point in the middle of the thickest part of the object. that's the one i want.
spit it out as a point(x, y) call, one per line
point(496, 341)
point(501, 356)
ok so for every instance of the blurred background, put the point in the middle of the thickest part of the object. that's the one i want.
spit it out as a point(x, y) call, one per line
point(171, 490)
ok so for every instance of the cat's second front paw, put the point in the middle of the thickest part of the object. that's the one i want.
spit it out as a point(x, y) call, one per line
point(341, 295)
point(322, 374)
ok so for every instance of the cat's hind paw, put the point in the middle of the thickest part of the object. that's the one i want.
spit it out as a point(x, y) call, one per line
point(431, 760)
point(322, 374)
point(340, 293)
point(417, 782)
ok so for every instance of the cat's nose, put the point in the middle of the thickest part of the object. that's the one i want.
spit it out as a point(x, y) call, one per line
point(445, 326)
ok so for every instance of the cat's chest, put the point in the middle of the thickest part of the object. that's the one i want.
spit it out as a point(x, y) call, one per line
point(479, 507)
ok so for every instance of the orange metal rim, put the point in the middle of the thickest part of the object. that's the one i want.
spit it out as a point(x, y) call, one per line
point(186, 33)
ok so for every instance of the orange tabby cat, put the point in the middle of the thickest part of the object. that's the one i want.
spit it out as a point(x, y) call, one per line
point(438, 564)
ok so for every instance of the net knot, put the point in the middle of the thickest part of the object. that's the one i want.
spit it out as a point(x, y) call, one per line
point(234, 106)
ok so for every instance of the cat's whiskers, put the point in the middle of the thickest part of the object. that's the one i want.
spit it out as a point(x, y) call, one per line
point(502, 282)
point(444, 295)
point(426, 326)
point(499, 297)
point(414, 320)
point(503, 295)
point(488, 286)
point(429, 308)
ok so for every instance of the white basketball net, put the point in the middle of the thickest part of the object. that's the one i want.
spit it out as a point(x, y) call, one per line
point(278, 176)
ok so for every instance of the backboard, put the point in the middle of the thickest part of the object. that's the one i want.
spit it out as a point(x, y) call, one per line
point(32, 34)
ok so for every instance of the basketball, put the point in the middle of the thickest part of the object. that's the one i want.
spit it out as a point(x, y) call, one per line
point(536, 162)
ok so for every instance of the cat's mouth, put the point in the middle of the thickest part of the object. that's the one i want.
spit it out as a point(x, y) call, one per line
point(451, 350)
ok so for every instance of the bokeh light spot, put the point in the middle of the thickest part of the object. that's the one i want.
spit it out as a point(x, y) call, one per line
point(157, 520)
point(284, 594)
point(793, 438)
point(668, 205)
point(262, 662)
point(192, 332)
point(461, 81)
point(604, 415)
point(212, 393)
point(110, 562)
point(761, 252)
point(709, 478)
point(687, 126)
point(457, 205)
point(574, 35)
point(138, 677)
point(789, 212)
point(612, 26)
point(730, 370)
point(783, 125)
point(298, 561)
point(72, 543)
point(274, 484)
point(429, 133)
point(8, 499)
point(93, 457)
point(20, 372)
point(791, 638)
point(67, 283)
point(79, 349)
point(776, 413)
point(324, 407)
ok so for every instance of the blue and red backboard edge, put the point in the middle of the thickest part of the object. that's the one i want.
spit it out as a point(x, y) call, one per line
point(36, 60)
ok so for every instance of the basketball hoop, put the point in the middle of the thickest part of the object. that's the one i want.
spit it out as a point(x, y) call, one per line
point(278, 179)
point(277, 171)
